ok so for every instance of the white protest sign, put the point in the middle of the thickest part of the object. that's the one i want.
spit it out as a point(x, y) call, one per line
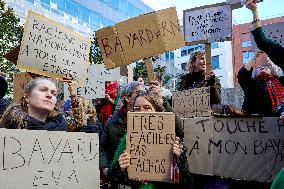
point(209, 23)
point(241, 148)
point(94, 88)
point(192, 102)
point(49, 160)
point(272, 31)
point(149, 141)
point(50, 49)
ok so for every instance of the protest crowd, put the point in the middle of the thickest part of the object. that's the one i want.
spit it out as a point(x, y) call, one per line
point(123, 115)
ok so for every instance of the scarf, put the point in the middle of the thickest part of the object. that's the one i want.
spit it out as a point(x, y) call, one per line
point(121, 147)
point(275, 90)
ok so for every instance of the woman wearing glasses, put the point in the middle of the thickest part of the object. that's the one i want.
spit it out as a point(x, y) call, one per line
point(149, 103)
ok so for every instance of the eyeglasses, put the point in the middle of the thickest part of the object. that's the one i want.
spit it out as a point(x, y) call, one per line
point(145, 108)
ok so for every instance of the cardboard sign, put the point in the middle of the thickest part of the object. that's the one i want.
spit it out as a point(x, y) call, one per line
point(19, 83)
point(211, 23)
point(272, 31)
point(192, 102)
point(140, 37)
point(241, 148)
point(50, 49)
point(12, 55)
point(150, 137)
point(95, 83)
point(22, 79)
point(50, 160)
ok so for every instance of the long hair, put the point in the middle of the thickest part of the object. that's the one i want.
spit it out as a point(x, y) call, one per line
point(193, 57)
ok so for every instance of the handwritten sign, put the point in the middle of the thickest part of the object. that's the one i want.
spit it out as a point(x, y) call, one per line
point(192, 102)
point(46, 159)
point(140, 37)
point(229, 146)
point(95, 83)
point(272, 31)
point(50, 49)
point(209, 23)
point(150, 137)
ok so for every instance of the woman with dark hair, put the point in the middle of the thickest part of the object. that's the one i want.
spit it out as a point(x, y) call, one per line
point(121, 160)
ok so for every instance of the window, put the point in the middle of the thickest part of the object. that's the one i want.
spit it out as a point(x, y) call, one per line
point(105, 22)
point(31, 1)
point(60, 4)
point(183, 51)
point(183, 66)
point(71, 8)
point(214, 45)
point(123, 6)
point(115, 4)
point(84, 14)
point(94, 19)
point(130, 10)
point(45, 2)
point(215, 62)
point(247, 55)
point(246, 42)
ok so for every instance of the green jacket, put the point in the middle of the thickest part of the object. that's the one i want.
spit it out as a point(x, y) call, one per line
point(278, 182)
point(273, 49)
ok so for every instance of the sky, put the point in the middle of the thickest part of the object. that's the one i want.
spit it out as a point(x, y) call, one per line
point(267, 8)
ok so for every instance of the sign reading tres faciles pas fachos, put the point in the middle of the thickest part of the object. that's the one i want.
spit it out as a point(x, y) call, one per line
point(140, 37)
point(50, 49)
point(49, 159)
point(149, 141)
point(208, 23)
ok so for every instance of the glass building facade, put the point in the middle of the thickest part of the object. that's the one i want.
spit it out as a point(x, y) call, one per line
point(83, 16)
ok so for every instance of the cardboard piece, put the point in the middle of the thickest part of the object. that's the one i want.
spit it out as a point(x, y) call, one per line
point(12, 55)
point(95, 83)
point(208, 58)
point(228, 146)
point(140, 37)
point(149, 67)
point(50, 49)
point(272, 31)
point(51, 160)
point(149, 142)
point(208, 23)
point(192, 102)
point(20, 81)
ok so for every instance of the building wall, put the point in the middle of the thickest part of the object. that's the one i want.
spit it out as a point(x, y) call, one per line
point(83, 16)
point(241, 33)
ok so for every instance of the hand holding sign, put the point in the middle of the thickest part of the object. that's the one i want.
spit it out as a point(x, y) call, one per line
point(124, 160)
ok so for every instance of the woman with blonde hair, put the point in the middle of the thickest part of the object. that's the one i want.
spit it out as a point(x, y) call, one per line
point(37, 110)
point(197, 77)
